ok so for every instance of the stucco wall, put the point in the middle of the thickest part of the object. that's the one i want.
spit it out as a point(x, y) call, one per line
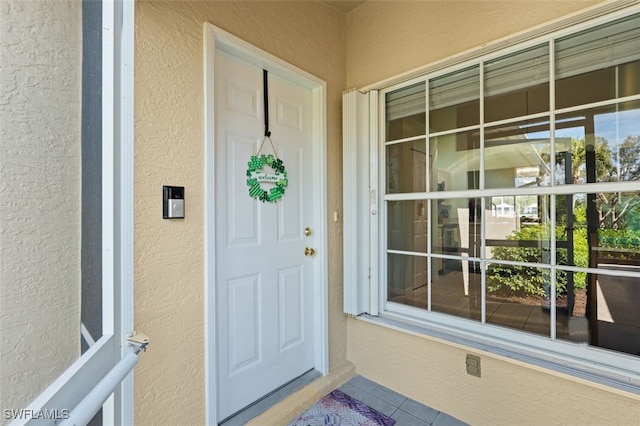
point(169, 150)
point(389, 38)
point(40, 59)
point(508, 393)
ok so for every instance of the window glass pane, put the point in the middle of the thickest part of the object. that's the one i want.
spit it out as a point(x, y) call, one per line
point(407, 225)
point(407, 278)
point(571, 306)
point(517, 84)
point(519, 238)
point(618, 236)
point(572, 248)
point(406, 167)
point(456, 287)
point(456, 278)
point(455, 162)
point(518, 297)
point(454, 100)
point(589, 64)
point(405, 112)
point(604, 141)
point(612, 310)
point(602, 231)
point(450, 234)
point(517, 155)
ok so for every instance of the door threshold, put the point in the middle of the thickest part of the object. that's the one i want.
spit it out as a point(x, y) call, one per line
point(271, 399)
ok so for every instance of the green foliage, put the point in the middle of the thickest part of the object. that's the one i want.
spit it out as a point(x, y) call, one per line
point(532, 280)
point(618, 221)
point(626, 241)
point(520, 279)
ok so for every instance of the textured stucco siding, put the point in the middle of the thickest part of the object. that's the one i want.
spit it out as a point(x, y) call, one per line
point(508, 393)
point(40, 75)
point(388, 38)
point(169, 150)
point(376, 41)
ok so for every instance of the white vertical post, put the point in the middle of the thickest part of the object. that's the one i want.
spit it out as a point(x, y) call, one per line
point(356, 201)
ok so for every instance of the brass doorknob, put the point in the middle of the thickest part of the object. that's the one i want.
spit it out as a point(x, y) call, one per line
point(308, 251)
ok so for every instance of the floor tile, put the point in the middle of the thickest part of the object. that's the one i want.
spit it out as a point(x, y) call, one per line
point(354, 391)
point(418, 410)
point(386, 394)
point(443, 419)
point(406, 411)
point(403, 418)
point(363, 383)
point(380, 405)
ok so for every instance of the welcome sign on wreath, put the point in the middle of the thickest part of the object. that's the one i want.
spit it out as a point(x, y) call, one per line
point(257, 177)
point(265, 186)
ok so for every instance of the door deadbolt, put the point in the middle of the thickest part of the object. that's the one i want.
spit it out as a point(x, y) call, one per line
point(308, 251)
point(307, 231)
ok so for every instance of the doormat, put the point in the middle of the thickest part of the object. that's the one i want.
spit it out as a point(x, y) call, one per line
point(339, 409)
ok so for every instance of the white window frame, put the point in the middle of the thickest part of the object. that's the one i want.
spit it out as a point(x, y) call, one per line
point(70, 388)
point(366, 286)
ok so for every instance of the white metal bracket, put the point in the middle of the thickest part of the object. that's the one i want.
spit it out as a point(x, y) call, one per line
point(139, 340)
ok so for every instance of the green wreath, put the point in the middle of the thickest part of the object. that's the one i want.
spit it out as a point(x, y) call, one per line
point(255, 176)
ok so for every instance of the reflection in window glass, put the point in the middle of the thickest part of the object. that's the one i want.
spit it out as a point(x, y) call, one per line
point(599, 231)
point(604, 145)
point(589, 64)
point(408, 279)
point(511, 217)
point(456, 288)
point(456, 278)
point(454, 100)
point(517, 228)
point(407, 225)
point(406, 167)
point(450, 217)
point(519, 298)
point(455, 162)
point(517, 155)
point(614, 244)
point(618, 239)
point(405, 112)
point(517, 84)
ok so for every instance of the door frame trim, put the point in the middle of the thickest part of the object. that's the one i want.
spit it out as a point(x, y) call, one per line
point(217, 39)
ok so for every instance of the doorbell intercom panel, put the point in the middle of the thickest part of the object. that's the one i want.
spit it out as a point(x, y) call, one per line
point(173, 202)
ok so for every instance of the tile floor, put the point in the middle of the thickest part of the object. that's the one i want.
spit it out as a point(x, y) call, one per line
point(405, 411)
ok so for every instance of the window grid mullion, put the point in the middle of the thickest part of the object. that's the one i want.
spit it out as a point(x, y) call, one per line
point(429, 202)
point(483, 201)
point(552, 277)
point(552, 134)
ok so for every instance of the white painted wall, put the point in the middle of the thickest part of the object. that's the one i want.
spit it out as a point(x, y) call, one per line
point(40, 76)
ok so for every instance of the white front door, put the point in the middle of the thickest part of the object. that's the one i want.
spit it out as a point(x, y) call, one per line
point(263, 279)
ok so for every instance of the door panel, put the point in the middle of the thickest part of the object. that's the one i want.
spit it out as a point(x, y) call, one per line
point(244, 327)
point(264, 288)
point(291, 319)
point(290, 226)
point(242, 211)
